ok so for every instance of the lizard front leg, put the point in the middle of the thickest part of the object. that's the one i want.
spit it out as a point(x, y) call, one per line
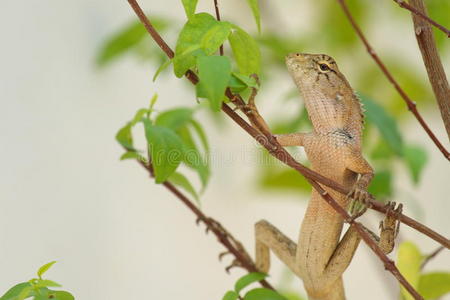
point(267, 238)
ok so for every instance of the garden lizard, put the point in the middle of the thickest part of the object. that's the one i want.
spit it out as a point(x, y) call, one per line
point(334, 149)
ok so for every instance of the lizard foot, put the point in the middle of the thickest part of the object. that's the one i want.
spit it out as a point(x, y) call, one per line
point(234, 264)
point(390, 227)
point(360, 201)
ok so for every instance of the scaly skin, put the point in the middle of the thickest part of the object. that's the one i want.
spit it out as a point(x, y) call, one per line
point(334, 149)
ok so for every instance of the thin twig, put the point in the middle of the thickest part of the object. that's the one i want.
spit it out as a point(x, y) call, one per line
point(288, 160)
point(389, 265)
point(216, 8)
point(225, 238)
point(420, 14)
point(431, 256)
point(411, 105)
point(433, 64)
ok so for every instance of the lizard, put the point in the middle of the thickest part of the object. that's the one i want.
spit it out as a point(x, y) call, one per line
point(334, 149)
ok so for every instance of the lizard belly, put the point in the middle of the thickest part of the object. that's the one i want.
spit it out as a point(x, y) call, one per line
point(322, 225)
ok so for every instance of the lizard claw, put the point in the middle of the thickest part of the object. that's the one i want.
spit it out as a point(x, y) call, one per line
point(223, 254)
point(360, 201)
point(234, 264)
point(390, 227)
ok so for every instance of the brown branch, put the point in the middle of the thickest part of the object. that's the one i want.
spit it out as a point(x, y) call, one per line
point(277, 151)
point(431, 256)
point(216, 8)
point(421, 14)
point(233, 246)
point(411, 105)
point(433, 64)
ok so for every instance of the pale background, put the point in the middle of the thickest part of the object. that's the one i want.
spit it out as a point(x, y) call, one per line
point(65, 196)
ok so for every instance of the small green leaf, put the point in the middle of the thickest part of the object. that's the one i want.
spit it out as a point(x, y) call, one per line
point(215, 37)
point(415, 158)
point(230, 295)
point(121, 42)
point(434, 285)
point(124, 137)
point(174, 118)
point(161, 68)
point(130, 155)
point(189, 40)
point(255, 10)
point(13, 292)
point(263, 294)
point(62, 295)
point(385, 123)
point(201, 134)
point(245, 50)
point(214, 73)
point(189, 7)
point(248, 279)
point(166, 150)
point(381, 184)
point(181, 181)
point(192, 156)
point(139, 115)
point(47, 283)
point(45, 268)
point(408, 262)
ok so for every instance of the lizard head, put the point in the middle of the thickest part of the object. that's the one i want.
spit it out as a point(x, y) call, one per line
point(328, 97)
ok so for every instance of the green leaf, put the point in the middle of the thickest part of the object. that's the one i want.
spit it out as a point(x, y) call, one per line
point(166, 150)
point(192, 156)
point(63, 295)
point(255, 10)
point(381, 184)
point(408, 262)
point(215, 37)
point(47, 283)
point(121, 42)
point(230, 295)
point(415, 158)
point(45, 268)
point(248, 279)
point(139, 115)
point(201, 134)
point(263, 294)
point(189, 40)
point(161, 68)
point(434, 285)
point(385, 123)
point(25, 293)
point(128, 38)
point(124, 137)
point(245, 51)
point(13, 292)
point(174, 118)
point(130, 155)
point(181, 181)
point(214, 73)
point(189, 7)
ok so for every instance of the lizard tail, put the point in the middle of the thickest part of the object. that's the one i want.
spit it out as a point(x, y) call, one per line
point(336, 292)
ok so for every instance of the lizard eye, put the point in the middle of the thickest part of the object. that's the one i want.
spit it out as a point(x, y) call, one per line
point(324, 67)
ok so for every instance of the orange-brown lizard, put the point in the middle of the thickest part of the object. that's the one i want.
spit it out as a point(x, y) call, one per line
point(334, 150)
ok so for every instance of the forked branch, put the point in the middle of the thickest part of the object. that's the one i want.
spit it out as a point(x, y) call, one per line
point(411, 104)
point(430, 55)
point(421, 14)
point(270, 143)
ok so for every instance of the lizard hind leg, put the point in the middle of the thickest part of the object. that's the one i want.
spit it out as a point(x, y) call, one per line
point(267, 238)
